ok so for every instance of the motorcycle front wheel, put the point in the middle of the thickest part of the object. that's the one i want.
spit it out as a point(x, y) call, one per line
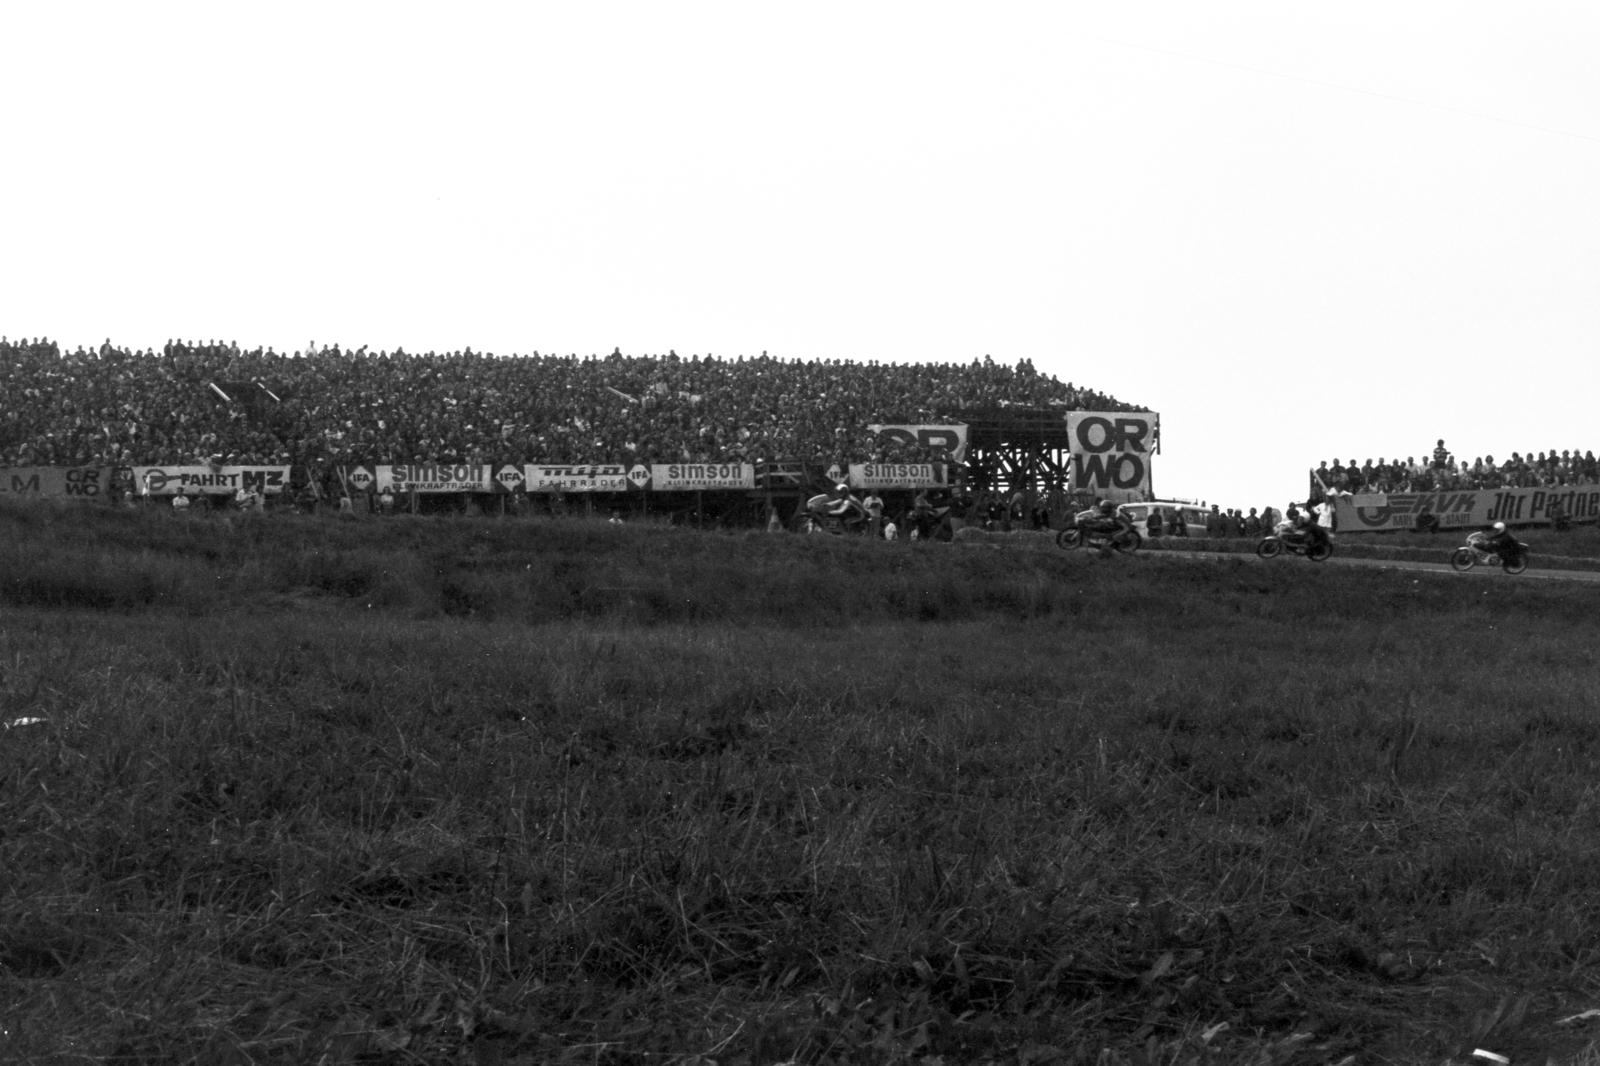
point(1516, 564)
point(1069, 538)
point(1463, 560)
point(1270, 548)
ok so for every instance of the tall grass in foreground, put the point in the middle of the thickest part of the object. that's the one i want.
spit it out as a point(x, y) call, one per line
point(1184, 813)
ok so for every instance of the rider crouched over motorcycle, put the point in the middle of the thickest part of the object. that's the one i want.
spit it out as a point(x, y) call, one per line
point(1304, 527)
point(1498, 539)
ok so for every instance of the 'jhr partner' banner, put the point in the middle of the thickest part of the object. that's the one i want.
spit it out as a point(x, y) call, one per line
point(1467, 507)
point(60, 482)
point(949, 439)
point(898, 476)
point(209, 480)
point(1111, 452)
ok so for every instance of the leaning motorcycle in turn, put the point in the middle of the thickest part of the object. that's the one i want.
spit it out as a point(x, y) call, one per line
point(1090, 529)
point(1286, 538)
point(1473, 553)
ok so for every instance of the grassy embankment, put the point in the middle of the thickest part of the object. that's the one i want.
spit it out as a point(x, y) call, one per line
point(439, 790)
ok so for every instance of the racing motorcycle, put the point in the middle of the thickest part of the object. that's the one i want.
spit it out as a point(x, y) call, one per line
point(1285, 538)
point(1473, 554)
point(822, 514)
point(1086, 533)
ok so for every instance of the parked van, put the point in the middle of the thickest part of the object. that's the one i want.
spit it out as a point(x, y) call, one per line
point(1194, 516)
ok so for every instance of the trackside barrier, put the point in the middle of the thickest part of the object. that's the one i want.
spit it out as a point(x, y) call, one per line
point(1467, 507)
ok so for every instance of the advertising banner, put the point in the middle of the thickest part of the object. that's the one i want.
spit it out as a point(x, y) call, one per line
point(358, 478)
point(1467, 507)
point(1111, 452)
point(435, 477)
point(508, 477)
point(898, 476)
point(587, 477)
point(209, 480)
point(950, 439)
point(56, 482)
point(688, 477)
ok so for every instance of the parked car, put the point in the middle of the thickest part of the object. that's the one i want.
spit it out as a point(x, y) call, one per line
point(1194, 516)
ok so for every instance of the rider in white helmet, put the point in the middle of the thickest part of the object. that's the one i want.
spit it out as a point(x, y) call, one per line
point(1500, 541)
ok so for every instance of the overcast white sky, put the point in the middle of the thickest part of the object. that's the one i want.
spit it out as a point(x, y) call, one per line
point(1296, 231)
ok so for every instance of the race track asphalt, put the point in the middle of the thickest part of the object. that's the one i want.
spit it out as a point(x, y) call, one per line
point(1391, 564)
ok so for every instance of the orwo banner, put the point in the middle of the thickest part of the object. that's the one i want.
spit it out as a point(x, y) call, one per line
point(1467, 507)
point(58, 482)
point(1111, 452)
point(950, 439)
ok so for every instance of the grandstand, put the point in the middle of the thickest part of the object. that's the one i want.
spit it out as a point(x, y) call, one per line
point(215, 402)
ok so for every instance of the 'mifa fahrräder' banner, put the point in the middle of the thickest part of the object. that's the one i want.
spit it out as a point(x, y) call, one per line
point(56, 482)
point(578, 477)
point(898, 476)
point(209, 480)
point(685, 477)
point(1111, 452)
point(1467, 507)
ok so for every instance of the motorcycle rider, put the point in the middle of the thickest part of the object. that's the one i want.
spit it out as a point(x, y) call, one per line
point(1106, 519)
point(1304, 528)
point(1500, 541)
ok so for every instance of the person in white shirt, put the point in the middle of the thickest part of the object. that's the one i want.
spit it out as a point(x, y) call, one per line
point(874, 505)
point(891, 531)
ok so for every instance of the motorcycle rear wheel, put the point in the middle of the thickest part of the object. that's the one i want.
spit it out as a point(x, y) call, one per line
point(1270, 548)
point(1516, 564)
point(1319, 552)
point(1463, 559)
point(1128, 541)
point(1069, 538)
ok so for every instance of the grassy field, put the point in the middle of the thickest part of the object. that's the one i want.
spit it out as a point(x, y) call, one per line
point(442, 790)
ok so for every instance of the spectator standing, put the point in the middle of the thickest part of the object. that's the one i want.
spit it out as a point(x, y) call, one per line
point(180, 503)
point(1252, 524)
point(1441, 456)
point(874, 506)
point(347, 507)
point(1153, 524)
point(1213, 522)
point(891, 531)
point(385, 501)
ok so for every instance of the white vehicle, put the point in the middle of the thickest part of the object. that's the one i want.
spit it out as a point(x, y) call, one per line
point(1194, 518)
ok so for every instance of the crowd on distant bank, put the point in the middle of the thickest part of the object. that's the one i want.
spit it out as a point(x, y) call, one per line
point(1442, 472)
point(196, 402)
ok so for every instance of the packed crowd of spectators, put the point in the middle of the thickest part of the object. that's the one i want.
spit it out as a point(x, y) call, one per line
point(1442, 472)
point(193, 402)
